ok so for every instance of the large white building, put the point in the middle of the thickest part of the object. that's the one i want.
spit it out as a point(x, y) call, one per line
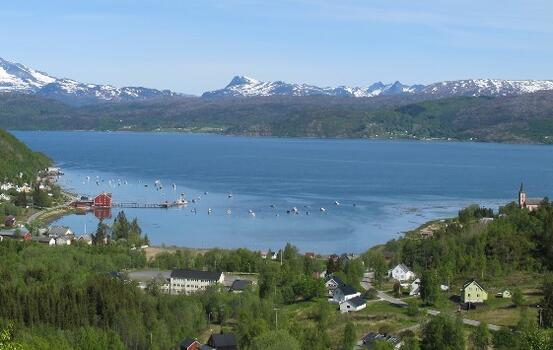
point(192, 281)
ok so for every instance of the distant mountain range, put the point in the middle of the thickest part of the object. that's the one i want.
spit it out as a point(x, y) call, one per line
point(17, 78)
point(241, 86)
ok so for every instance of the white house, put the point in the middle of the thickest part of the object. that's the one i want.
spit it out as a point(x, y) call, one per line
point(415, 288)
point(401, 273)
point(62, 240)
point(344, 293)
point(192, 281)
point(352, 305)
point(86, 239)
point(332, 283)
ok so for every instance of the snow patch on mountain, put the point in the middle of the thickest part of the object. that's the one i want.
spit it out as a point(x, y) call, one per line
point(15, 77)
point(242, 86)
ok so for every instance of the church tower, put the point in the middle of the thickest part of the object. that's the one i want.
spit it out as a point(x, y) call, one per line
point(521, 196)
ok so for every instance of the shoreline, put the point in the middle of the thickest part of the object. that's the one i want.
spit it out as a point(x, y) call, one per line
point(305, 137)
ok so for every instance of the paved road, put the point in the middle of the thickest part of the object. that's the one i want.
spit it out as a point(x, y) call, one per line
point(366, 284)
point(33, 217)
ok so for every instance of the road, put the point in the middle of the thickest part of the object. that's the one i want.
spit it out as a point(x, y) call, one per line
point(33, 217)
point(366, 284)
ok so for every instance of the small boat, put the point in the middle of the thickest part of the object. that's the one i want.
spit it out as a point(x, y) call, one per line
point(272, 205)
point(295, 210)
point(230, 195)
point(323, 210)
point(209, 211)
point(252, 213)
point(205, 193)
point(181, 201)
point(229, 211)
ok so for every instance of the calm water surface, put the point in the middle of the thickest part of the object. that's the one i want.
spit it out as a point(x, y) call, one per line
point(383, 187)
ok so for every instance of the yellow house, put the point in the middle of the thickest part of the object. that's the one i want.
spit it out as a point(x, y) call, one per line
point(473, 292)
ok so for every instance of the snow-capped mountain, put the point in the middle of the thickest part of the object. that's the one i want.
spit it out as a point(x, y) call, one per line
point(241, 86)
point(487, 87)
point(15, 77)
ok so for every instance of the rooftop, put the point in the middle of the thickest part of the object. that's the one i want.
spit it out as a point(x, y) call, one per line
point(196, 275)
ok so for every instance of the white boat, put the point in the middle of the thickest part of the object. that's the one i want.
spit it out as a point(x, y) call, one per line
point(336, 202)
point(323, 210)
point(209, 211)
point(181, 201)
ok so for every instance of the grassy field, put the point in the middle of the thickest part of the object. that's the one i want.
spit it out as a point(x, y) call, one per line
point(377, 316)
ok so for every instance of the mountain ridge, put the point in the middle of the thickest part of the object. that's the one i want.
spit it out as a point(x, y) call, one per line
point(18, 78)
point(244, 86)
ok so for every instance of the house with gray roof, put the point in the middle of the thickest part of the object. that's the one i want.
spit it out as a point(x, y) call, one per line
point(343, 293)
point(353, 304)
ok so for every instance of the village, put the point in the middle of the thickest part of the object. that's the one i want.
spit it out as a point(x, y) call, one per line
point(386, 311)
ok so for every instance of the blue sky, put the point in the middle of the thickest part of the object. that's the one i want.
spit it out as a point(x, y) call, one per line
point(194, 46)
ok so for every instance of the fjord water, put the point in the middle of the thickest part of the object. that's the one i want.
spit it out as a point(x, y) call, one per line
point(383, 187)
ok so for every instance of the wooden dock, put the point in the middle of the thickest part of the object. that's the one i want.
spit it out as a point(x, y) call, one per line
point(142, 205)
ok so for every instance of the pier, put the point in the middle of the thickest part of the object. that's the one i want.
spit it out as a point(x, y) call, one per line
point(142, 205)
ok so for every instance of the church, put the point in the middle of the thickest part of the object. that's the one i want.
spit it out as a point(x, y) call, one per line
point(529, 203)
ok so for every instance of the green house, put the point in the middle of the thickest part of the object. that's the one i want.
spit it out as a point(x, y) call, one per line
point(473, 292)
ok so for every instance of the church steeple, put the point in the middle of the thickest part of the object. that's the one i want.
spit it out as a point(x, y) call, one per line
point(521, 196)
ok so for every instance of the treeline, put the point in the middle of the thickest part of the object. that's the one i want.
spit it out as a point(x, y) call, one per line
point(524, 118)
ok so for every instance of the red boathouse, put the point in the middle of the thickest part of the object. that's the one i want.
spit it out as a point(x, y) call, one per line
point(103, 200)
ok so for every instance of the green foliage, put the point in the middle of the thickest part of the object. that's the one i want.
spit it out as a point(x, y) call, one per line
point(518, 297)
point(547, 301)
point(375, 261)
point(41, 198)
point(16, 158)
point(429, 288)
point(412, 308)
point(480, 337)
point(6, 339)
point(275, 340)
point(443, 333)
point(410, 343)
point(350, 336)
point(382, 345)
point(474, 212)
point(130, 232)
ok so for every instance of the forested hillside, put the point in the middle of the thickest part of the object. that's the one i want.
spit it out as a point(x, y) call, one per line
point(16, 157)
point(524, 118)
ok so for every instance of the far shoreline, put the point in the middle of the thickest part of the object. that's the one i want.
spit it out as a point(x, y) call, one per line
point(437, 140)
